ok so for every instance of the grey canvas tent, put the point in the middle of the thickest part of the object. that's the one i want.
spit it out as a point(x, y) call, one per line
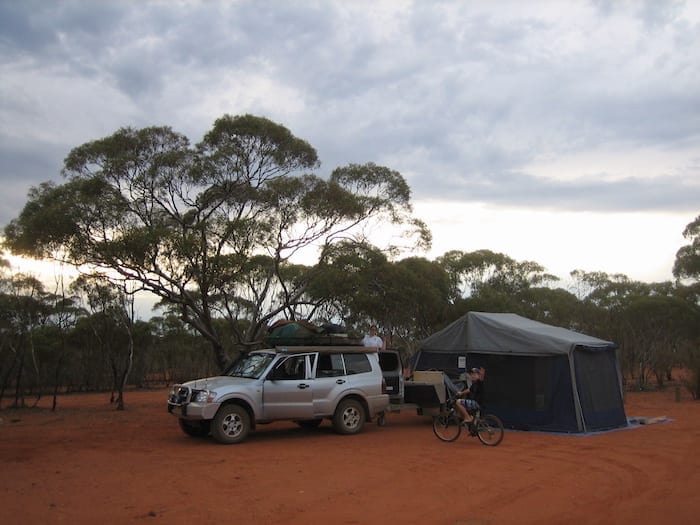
point(538, 376)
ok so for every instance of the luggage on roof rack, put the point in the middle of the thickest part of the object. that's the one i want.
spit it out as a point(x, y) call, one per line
point(304, 333)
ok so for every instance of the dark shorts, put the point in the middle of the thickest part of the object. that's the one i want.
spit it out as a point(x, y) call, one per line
point(471, 405)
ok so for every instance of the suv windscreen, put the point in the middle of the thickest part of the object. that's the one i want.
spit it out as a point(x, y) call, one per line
point(250, 365)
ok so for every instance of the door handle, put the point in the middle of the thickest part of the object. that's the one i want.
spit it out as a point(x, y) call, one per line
point(340, 381)
point(302, 386)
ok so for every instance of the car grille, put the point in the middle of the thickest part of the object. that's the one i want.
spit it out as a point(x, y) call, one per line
point(180, 395)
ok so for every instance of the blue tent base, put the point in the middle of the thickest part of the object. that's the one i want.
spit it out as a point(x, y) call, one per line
point(632, 423)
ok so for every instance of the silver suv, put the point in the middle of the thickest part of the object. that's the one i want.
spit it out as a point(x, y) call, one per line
point(301, 383)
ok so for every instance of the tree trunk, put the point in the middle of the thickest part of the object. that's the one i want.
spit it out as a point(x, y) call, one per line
point(19, 396)
point(57, 377)
point(127, 371)
point(221, 358)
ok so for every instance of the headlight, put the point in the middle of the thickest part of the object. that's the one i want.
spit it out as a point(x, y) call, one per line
point(203, 396)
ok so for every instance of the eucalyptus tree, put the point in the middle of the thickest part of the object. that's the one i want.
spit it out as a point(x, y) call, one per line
point(65, 312)
point(111, 320)
point(554, 306)
point(348, 286)
point(472, 272)
point(24, 307)
point(358, 285)
point(687, 263)
point(179, 352)
point(208, 229)
point(686, 270)
point(660, 328)
point(418, 301)
point(654, 323)
point(605, 299)
point(7, 330)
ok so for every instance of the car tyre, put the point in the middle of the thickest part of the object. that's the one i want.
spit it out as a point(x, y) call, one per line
point(231, 424)
point(349, 417)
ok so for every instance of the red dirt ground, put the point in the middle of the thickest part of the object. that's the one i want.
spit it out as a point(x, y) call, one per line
point(89, 464)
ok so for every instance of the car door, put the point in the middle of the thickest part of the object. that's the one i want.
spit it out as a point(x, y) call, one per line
point(329, 382)
point(287, 393)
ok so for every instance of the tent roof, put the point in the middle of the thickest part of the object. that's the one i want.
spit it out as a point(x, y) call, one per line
point(505, 333)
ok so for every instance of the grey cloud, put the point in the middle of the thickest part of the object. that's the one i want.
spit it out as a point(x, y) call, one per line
point(524, 190)
point(23, 167)
point(457, 99)
point(19, 32)
point(43, 28)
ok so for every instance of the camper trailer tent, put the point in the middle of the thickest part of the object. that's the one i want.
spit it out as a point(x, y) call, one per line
point(539, 377)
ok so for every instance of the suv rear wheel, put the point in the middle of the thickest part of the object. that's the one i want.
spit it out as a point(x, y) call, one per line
point(231, 424)
point(349, 417)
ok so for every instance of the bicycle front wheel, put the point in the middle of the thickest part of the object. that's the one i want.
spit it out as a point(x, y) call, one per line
point(490, 430)
point(447, 427)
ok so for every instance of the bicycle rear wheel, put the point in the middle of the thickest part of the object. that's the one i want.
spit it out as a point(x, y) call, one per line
point(490, 430)
point(447, 427)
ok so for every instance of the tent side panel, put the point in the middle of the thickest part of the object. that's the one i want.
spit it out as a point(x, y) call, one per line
point(599, 388)
point(529, 392)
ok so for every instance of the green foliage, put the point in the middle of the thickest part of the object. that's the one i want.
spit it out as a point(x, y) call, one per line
point(483, 271)
point(210, 230)
point(687, 264)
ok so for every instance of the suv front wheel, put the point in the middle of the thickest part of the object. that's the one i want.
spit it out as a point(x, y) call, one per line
point(349, 417)
point(231, 424)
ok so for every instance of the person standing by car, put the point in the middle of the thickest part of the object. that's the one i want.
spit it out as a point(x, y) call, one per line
point(372, 339)
point(470, 399)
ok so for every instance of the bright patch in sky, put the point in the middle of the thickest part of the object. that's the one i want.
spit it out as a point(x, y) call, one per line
point(641, 246)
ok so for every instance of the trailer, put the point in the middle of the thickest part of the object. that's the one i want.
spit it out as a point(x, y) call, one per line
point(424, 392)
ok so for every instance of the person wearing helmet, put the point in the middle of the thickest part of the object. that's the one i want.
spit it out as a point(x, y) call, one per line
point(470, 399)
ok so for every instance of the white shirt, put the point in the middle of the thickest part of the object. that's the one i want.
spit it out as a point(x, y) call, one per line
point(373, 340)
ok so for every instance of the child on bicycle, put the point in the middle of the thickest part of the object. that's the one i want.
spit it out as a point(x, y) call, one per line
point(470, 399)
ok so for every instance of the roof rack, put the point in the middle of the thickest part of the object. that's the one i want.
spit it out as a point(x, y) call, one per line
point(327, 349)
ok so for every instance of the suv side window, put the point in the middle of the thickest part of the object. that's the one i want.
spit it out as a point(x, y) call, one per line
point(357, 363)
point(330, 365)
point(292, 368)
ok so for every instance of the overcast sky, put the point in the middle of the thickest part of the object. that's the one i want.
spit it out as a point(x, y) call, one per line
point(564, 132)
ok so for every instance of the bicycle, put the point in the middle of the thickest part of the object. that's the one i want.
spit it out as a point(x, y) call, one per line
point(447, 426)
